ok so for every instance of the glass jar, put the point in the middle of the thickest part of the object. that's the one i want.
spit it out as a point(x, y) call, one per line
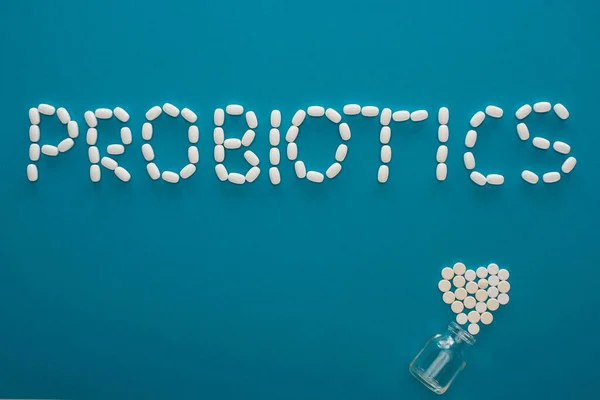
point(442, 358)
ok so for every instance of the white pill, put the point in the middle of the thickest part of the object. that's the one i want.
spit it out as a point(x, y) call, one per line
point(493, 280)
point(541, 143)
point(503, 274)
point(561, 147)
point(315, 176)
point(470, 302)
point(386, 154)
point(460, 293)
point(275, 118)
point(333, 115)
point(252, 174)
point(447, 273)
point(34, 152)
point(65, 145)
point(232, 143)
point(126, 136)
point(542, 107)
point(444, 285)
point(459, 268)
point(315, 111)
point(333, 170)
point(495, 179)
point(470, 275)
point(122, 174)
point(121, 114)
point(274, 176)
point(194, 134)
point(457, 307)
point(248, 137)
point(386, 117)
point(341, 152)
point(251, 120)
point(50, 150)
point(493, 291)
point(218, 135)
point(351, 109)
point(219, 153)
point(171, 110)
point(235, 178)
point(148, 152)
point(91, 136)
point(469, 160)
point(504, 287)
point(93, 154)
point(522, 131)
point(153, 113)
point(34, 133)
point(73, 129)
point(441, 172)
point(344, 131)
point(419, 115)
point(493, 269)
point(448, 297)
point(274, 156)
point(523, 111)
point(274, 137)
point(170, 177)
point(462, 318)
point(147, 131)
point(401, 116)
point(480, 307)
point(503, 299)
point(530, 177)
point(478, 178)
point(492, 304)
point(472, 287)
point(458, 281)
point(292, 134)
point(187, 171)
point(95, 173)
point(300, 169)
point(63, 115)
point(46, 109)
point(221, 172)
point(483, 283)
point(568, 165)
point(473, 329)
point(471, 138)
point(32, 172)
point(251, 157)
point(369, 111)
point(90, 119)
point(103, 113)
point(385, 135)
point(551, 177)
point(443, 133)
point(292, 151)
point(189, 115)
point(193, 155)
point(561, 111)
point(234, 109)
point(481, 295)
point(219, 117)
point(474, 317)
point(109, 163)
point(383, 173)
point(34, 116)
point(486, 318)
point(298, 117)
point(116, 149)
point(443, 115)
point(442, 154)
point(494, 111)
point(477, 119)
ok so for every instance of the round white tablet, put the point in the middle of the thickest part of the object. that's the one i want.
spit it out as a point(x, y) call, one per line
point(493, 292)
point(460, 293)
point(481, 295)
point(483, 283)
point(504, 287)
point(470, 302)
point(444, 285)
point(472, 287)
point(447, 273)
point(448, 298)
point(470, 275)
point(493, 269)
point(473, 329)
point(503, 274)
point(492, 304)
point(459, 268)
point(474, 317)
point(457, 307)
point(494, 280)
point(487, 318)
point(462, 318)
point(480, 307)
point(503, 299)
point(482, 272)
point(458, 281)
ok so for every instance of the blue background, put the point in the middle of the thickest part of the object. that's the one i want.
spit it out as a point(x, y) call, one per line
point(214, 291)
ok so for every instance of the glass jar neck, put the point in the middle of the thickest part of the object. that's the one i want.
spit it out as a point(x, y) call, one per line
point(459, 336)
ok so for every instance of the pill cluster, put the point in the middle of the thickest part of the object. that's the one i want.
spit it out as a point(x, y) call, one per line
point(441, 171)
point(482, 291)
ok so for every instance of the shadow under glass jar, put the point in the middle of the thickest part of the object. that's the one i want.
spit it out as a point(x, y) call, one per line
point(442, 358)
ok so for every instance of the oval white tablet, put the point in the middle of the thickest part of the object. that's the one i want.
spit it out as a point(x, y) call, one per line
point(462, 318)
point(481, 295)
point(126, 136)
point(457, 307)
point(471, 138)
point(441, 172)
point(486, 318)
point(385, 134)
point(483, 283)
point(522, 131)
point(561, 147)
point(274, 156)
point(419, 115)
point(274, 137)
point(503, 299)
point(34, 133)
point(492, 291)
point(93, 154)
point(292, 151)
point(386, 116)
point(315, 111)
point(469, 160)
point(103, 113)
point(63, 115)
point(478, 178)
point(251, 157)
point(333, 115)
point(122, 174)
point(341, 152)
point(252, 174)
point(333, 170)
point(90, 119)
point(470, 302)
point(401, 116)
point(95, 173)
point(46, 109)
point(472, 287)
point(32, 172)
point(386, 154)
point(193, 155)
point(232, 143)
point(493, 269)
point(171, 110)
point(492, 304)
point(351, 109)
point(315, 176)
point(275, 118)
point(34, 116)
point(344, 131)
point(221, 172)
point(300, 169)
point(383, 173)
point(34, 152)
point(115, 149)
point(91, 136)
point(480, 307)
point(170, 177)
point(473, 317)
point(147, 131)
point(473, 329)
point(495, 179)
point(568, 165)
point(443, 115)
point(218, 135)
point(447, 273)
point(523, 111)
point(274, 176)
point(187, 171)
point(234, 109)
point(219, 153)
point(292, 134)
point(189, 115)
point(470, 275)
point(459, 268)
point(493, 280)
point(443, 133)
point(460, 294)
point(219, 117)
point(458, 281)
point(369, 111)
point(448, 297)
point(442, 154)
point(50, 150)
point(504, 287)
point(530, 177)
point(248, 137)
point(109, 163)
point(121, 114)
point(503, 274)
point(477, 119)
point(551, 177)
point(65, 145)
point(561, 111)
point(251, 120)
point(541, 143)
point(494, 111)
point(298, 117)
point(148, 152)
point(542, 107)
